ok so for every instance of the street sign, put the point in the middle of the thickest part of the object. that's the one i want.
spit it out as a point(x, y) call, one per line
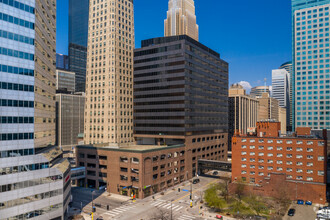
point(185, 190)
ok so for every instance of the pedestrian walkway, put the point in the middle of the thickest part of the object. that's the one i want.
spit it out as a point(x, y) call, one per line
point(186, 217)
point(119, 210)
point(166, 205)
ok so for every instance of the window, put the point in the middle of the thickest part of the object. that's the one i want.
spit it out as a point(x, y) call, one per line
point(261, 167)
point(252, 173)
point(289, 169)
point(270, 161)
point(252, 166)
point(299, 156)
point(321, 143)
point(261, 140)
point(269, 168)
point(309, 157)
point(279, 141)
point(243, 153)
point(261, 160)
point(261, 147)
point(289, 163)
point(103, 157)
point(299, 170)
point(243, 159)
point(310, 142)
point(261, 173)
point(270, 141)
point(309, 171)
point(243, 140)
point(299, 142)
point(299, 149)
point(299, 178)
point(289, 142)
point(252, 140)
point(252, 153)
point(320, 158)
point(279, 155)
point(289, 176)
point(309, 178)
point(279, 162)
point(243, 146)
point(279, 169)
point(320, 173)
point(252, 160)
point(243, 165)
point(289, 156)
point(309, 149)
point(300, 163)
point(252, 147)
point(243, 172)
point(289, 148)
point(270, 148)
point(279, 148)
point(270, 155)
point(261, 154)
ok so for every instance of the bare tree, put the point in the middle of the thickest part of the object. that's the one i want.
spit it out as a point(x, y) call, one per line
point(161, 215)
point(240, 188)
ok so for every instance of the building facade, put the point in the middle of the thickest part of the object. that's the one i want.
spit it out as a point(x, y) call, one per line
point(29, 173)
point(69, 121)
point(109, 82)
point(289, 68)
point(311, 63)
point(145, 170)
point(78, 34)
point(259, 90)
point(62, 61)
point(243, 111)
point(281, 90)
point(181, 19)
point(268, 108)
point(300, 161)
point(65, 81)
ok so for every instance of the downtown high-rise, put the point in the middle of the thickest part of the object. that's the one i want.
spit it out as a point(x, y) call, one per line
point(34, 178)
point(311, 60)
point(109, 81)
point(78, 34)
point(181, 19)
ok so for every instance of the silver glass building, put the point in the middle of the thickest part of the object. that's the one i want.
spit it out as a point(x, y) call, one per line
point(311, 60)
point(288, 67)
point(34, 178)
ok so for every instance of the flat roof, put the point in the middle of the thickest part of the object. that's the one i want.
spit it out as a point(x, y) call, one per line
point(127, 147)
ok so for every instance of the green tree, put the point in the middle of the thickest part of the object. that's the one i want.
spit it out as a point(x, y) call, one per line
point(213, 199)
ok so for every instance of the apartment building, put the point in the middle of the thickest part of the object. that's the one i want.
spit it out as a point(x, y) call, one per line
point(299, 161)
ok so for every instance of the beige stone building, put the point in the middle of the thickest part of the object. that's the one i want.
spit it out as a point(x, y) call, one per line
point(282, 117)
point(243, 111)
point(268, 108)
point(109, 80)
point(181, 19)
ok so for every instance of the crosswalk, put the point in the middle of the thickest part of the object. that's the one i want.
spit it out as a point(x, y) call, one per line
point(119, 210)
point(186, 217)
point(166, 205)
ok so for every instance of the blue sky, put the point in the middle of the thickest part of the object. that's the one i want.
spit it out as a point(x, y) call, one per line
point(253, 36)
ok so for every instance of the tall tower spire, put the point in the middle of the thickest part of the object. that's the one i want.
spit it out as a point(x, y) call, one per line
point(181, 19)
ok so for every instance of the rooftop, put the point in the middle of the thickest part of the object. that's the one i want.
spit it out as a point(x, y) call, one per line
point(129, 147)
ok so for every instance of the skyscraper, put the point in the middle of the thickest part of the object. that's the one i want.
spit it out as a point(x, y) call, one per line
point(181, 19)
point(311, 63)
point(281, 90)
point(243, 111)
point(288, 67)
point(34, 179)
point(109, 81)
point(259, 90)
point(78, 34)
point(62, 61)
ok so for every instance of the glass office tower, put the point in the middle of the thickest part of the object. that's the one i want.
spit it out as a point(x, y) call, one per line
point(311, 62)
point(34, 178)
point(78, 33)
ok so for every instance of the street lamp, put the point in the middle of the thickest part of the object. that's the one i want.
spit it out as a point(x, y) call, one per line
point(171, 209)
point(93, 200)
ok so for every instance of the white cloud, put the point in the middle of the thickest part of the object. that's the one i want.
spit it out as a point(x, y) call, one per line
point(246, 85)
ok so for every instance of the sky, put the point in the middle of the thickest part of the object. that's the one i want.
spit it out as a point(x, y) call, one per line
point(253, 36)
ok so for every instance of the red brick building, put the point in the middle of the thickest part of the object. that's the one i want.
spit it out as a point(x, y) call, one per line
point(265, 160)
point(147, 169)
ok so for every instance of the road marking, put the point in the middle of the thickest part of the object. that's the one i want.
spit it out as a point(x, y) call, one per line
point(177, 209)
point(194, 191)
point(119, 210)
point(186, 217)
point(156, 203)
point(166, 205)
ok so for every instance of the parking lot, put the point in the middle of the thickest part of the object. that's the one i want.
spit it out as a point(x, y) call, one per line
point(305, 212)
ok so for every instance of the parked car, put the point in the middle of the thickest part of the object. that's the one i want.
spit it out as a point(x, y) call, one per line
point(291, 212)
point(300, 202)
point(215, 173)
point(219, 217)
point(196, 181)
point(308, 203)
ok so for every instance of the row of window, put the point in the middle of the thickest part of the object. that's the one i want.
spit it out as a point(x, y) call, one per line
point(16, 37)
point(16, 103)
point(15, 153)
point(299, 163)
point(16, 136)
point(32, 198)
point(277, 148)
point(29, 183)
point(320, 143)
point(17, 21)
point(23, 168)
point(320, 173)
point(38, 212)
point(16, 70)
point(18, 5)
point(16, 87)
point(320, 158)
point(16, 53)
point(16, 120)
point(207, 138)
point(288, 176)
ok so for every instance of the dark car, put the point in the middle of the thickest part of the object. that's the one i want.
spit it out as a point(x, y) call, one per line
point(215, 173)
point(291, 212)
point(195, 181)
point(300, 202)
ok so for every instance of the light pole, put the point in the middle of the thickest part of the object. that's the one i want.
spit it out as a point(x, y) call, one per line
point(171, 210)
point(93, 200)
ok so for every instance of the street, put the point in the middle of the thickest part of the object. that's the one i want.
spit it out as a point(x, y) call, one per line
point(172, 203)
